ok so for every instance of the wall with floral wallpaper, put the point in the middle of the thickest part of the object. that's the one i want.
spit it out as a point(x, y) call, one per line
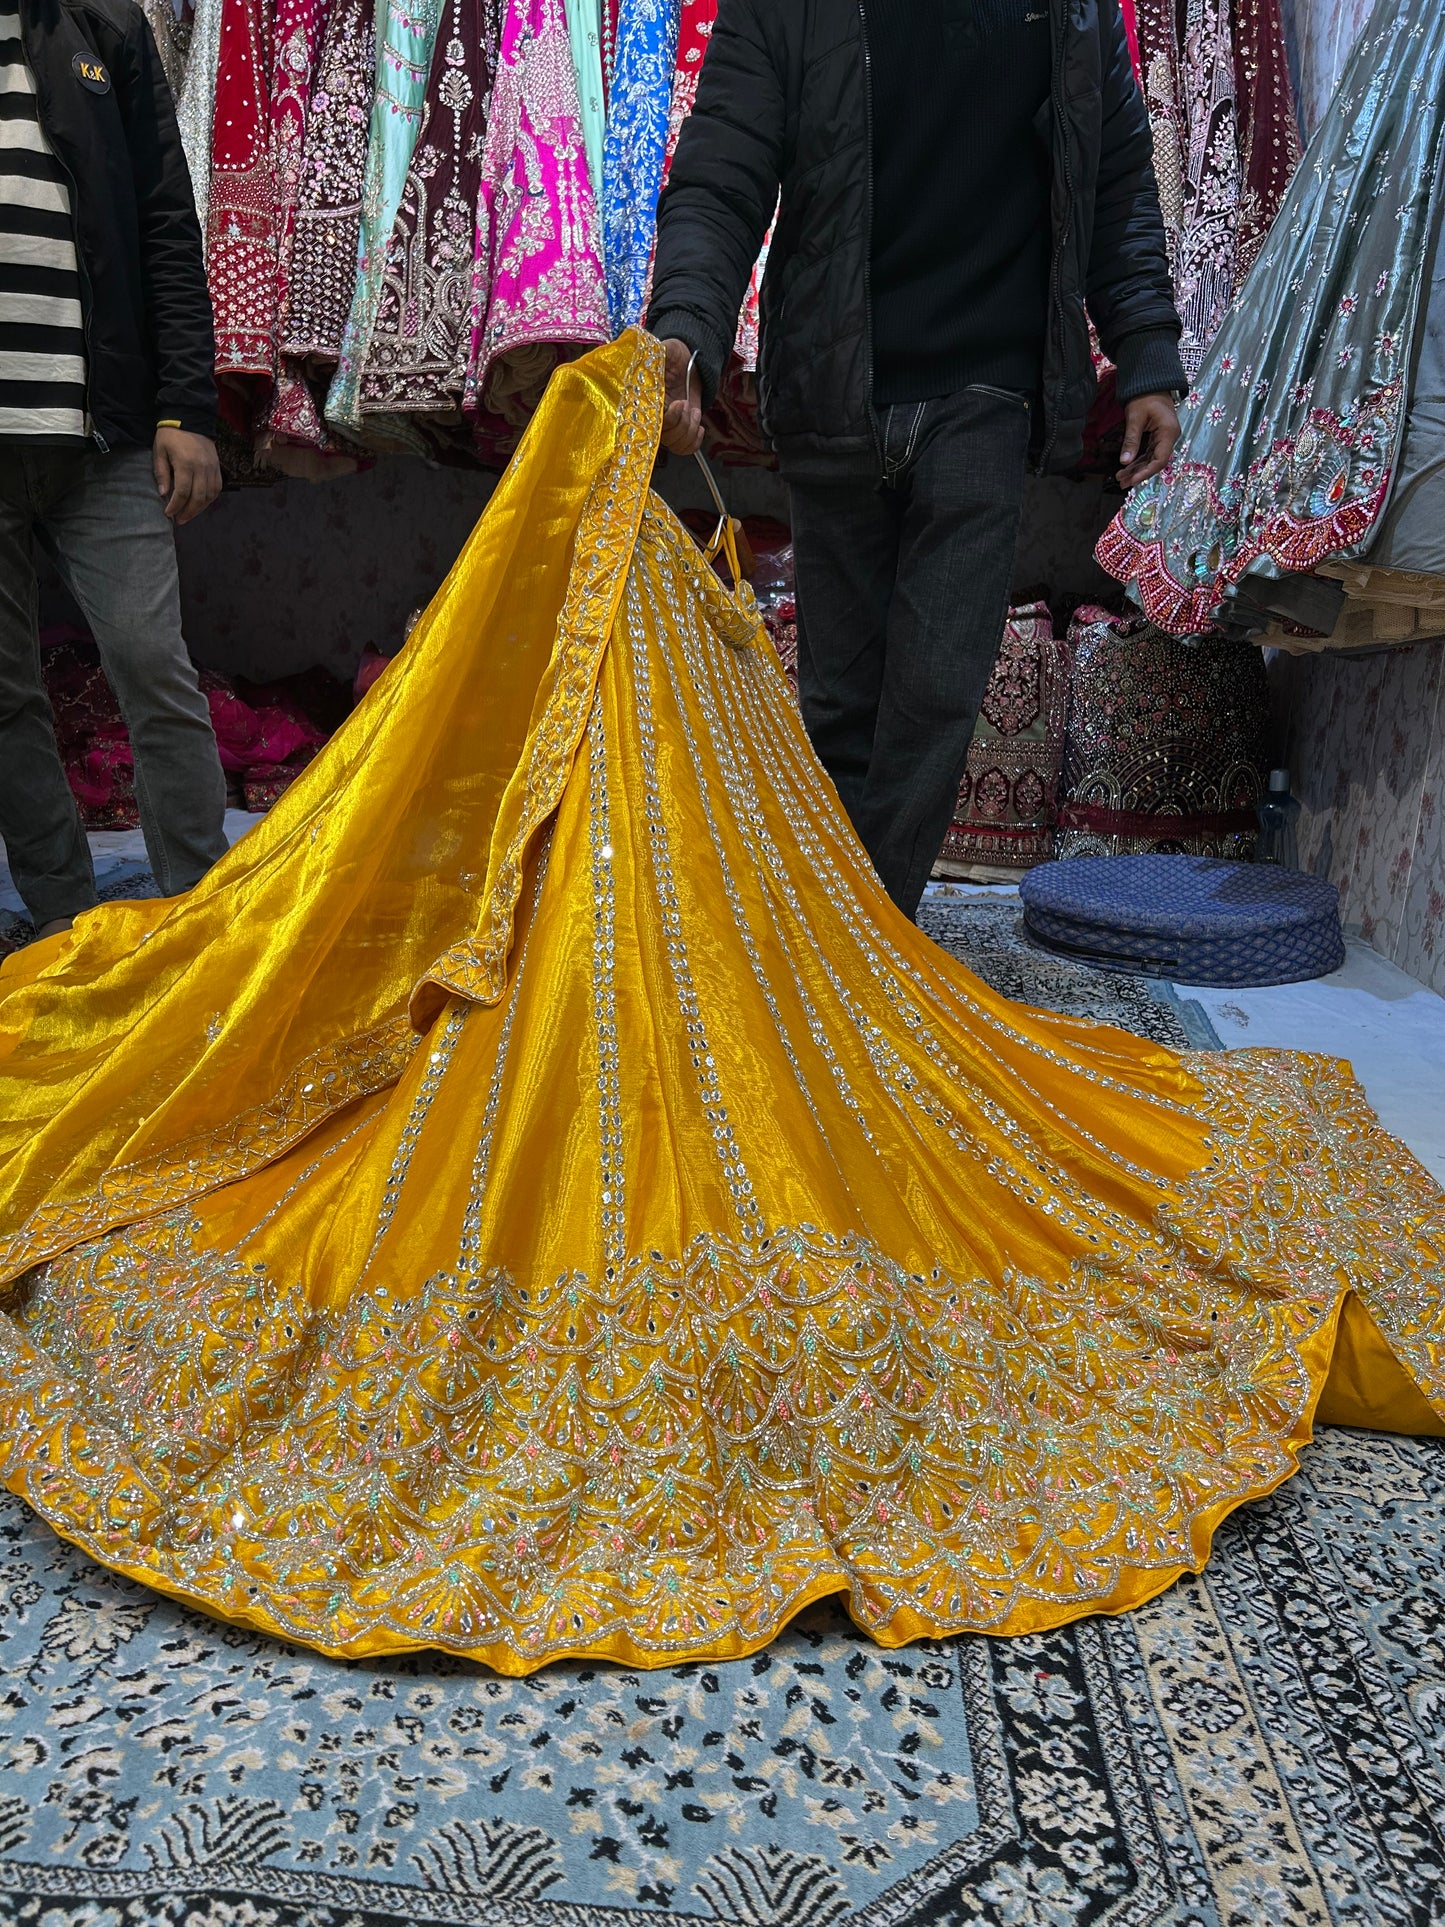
point(1364, 737)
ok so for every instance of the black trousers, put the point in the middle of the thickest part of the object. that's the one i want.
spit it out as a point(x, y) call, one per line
point(903, 589)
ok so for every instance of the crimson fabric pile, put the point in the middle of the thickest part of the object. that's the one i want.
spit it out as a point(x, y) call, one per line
point(266, 733)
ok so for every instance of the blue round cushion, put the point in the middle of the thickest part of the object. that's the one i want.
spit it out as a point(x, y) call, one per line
point(1197, 919)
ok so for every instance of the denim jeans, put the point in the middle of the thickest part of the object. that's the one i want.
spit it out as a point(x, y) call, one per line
point(903, 587)
point(100, 519)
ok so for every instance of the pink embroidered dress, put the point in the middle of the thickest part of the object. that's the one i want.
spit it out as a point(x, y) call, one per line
point(537, 276)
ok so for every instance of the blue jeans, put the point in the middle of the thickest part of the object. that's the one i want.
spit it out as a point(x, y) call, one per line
point(903, 588)
point(100, 519)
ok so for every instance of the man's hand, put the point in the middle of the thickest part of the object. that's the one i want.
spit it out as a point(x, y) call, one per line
point(187, 471)
point(1151, 428)
point(682, 411)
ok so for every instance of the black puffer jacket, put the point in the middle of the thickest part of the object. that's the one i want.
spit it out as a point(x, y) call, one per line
point(784, 106)
point(106, 109)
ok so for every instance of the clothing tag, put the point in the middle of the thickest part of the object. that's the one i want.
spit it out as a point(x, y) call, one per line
point(91, 73)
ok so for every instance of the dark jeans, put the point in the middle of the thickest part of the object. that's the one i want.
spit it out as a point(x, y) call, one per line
point(101, 520)
point(903, 588)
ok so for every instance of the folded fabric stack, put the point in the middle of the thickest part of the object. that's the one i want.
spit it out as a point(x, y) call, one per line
point(1008, 798)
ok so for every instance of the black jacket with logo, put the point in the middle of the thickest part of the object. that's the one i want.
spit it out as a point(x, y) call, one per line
point(784, 105)
point(106, 109)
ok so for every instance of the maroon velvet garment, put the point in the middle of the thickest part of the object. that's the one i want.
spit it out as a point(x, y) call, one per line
point(1007, 802)
point(1269, 135)
point(1166, 745)
point(417, 357)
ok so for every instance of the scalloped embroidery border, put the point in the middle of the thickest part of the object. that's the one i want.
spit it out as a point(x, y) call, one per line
point(1294, 545)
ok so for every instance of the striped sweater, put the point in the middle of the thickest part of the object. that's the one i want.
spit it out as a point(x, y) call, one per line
point(42, 346)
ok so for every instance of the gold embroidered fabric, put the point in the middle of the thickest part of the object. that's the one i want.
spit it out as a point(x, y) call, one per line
point(537, 1196)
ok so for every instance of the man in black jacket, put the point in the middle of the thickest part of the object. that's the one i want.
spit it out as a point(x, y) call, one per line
point(957, 178)
point(107, 425)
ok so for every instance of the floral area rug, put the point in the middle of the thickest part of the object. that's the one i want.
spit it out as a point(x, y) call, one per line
point(1264, 1745)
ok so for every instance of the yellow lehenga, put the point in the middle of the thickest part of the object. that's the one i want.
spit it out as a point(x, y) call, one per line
point(537, 1196)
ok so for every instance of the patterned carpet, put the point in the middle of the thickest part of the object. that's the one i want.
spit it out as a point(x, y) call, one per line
point(987, 934)
point(1263, 1745)
point(118, 882)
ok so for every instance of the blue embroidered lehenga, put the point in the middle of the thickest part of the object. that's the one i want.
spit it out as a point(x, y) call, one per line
point(1315, 432)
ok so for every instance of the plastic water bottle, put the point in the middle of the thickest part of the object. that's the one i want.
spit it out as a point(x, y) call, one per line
point(1278, 813)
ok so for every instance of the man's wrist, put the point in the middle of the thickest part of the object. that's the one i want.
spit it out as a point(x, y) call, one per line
point(190, 421)
point(681, 324)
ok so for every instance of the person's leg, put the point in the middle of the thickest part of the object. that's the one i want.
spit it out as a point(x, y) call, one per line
point(963, 494)
point(845, 555)
point(116, 550)
point(45, 844)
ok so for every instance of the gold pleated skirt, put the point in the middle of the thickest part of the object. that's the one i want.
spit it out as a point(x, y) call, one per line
point(537, 1196)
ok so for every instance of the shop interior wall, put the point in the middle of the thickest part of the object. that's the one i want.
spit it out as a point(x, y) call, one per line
point(1364, 739)
point(274, 580)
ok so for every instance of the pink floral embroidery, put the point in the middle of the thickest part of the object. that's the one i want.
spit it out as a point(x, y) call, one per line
point(1182, 541)
point(537, 274)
